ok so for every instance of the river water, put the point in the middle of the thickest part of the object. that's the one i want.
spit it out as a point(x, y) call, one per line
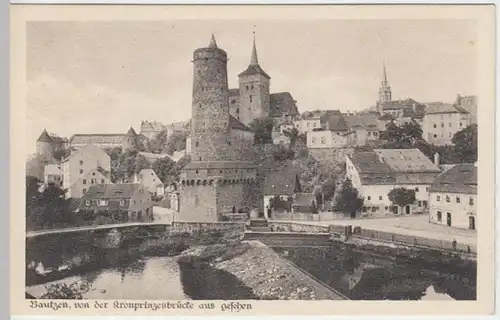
point(132, 274)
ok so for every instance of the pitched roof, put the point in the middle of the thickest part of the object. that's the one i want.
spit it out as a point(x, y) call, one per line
point(131, 132)
point(44, 137)
point(237, 125)
point(284, 181)
point(462, 178)
point(97, 138)
point(112, 191)
point(254, 69)
point(441, 107)
point(152, 126)
point(364, 120)
point(89, 148)
point(282, 103)
point(399, 104)
point(220, 165)
point(304, 199)
point(406, 160)
point(385, 166)
point(336, 123)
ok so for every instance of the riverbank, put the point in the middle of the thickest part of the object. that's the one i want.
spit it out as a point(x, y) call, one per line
point(261, 269)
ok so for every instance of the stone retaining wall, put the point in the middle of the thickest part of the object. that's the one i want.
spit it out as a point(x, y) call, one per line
point(269, 275)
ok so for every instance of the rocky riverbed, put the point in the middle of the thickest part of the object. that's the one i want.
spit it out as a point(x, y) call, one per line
point(260, 268)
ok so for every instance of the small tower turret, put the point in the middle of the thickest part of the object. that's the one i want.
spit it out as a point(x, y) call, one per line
point(44, 145)
point(254, 90)
point(130, 140)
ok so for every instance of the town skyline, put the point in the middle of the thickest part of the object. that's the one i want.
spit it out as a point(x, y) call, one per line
point(93, 67)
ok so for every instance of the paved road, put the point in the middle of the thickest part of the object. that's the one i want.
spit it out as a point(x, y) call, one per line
point(417, 226)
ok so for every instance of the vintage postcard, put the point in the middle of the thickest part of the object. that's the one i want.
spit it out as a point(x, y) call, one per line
point(252, 160)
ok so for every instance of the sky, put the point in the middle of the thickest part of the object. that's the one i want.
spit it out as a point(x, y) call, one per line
point(103, 77)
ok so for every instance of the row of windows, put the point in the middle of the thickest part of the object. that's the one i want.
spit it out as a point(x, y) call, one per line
point(449, 125)
point(229, 171)
point(374, 133)
point(250, 87)
point(104, 202)
point(442, 135)
point(92, 181)
point(457, 199)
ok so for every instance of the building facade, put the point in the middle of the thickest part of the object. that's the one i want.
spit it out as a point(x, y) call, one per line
point(150, 180)
point(442, 121)
point(253, 99)
point(53, 174)
point(126, 142)
point(453, 197)
point(82, 162)
point(375, 173)
point(221, 177)
point(130, 201)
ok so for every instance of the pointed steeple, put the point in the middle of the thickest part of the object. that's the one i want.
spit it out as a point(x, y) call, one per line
point(384, 73)
point(44, 137)
point(131, 132)
point(212, 44)
point(254, 61)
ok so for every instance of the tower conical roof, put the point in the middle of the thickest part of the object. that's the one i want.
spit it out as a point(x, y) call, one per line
point(254, 67)
point(384, 73)
point(254, 61)
point(44, 137)
point(213, 43)
point(131, 132)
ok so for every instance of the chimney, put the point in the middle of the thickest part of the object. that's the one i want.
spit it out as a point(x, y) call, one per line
point(436, 159)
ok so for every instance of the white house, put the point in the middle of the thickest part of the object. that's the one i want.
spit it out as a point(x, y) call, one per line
point(453, 197)
point(53, 174)
point(89, 159)
point(150, 180)
point(375, 173)
point(442, 121)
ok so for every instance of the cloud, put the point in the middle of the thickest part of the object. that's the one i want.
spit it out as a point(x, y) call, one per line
point(65, 109)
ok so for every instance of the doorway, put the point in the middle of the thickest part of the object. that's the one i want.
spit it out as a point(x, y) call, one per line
point(448, 219)
point(407, 209)
point(472, 223)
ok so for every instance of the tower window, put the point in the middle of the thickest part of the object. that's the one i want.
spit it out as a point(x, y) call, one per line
point(250, 98)
point(247, 87)
point(237, 110)
point(199, 158)
point(252, 86)
point(197, 144)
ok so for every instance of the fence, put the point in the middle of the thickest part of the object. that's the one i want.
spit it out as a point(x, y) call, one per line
point(297, 227)
point(322, 216)
point(414, 241)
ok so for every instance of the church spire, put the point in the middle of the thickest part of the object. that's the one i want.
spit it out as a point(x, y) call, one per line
point(384, 72)
point(212, 44)
point(384, 93)
point(254, 61)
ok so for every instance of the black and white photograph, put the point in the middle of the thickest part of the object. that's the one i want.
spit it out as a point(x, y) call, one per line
point(252, 159)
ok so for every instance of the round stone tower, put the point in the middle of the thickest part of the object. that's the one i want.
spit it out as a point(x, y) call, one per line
point(130, 140)
point(210, 109)
point(44, 146)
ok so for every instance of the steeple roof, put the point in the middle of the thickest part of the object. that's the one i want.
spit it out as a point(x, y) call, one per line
point(254, 61)
point(254, 67)
point(131, 132)
point(384, 72)
point(44, 137)
point(213, 43)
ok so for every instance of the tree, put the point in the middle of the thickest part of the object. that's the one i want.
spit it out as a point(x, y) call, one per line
point(158, 142)
point(52, 206)
point(328, 188)
point(176, 142)
point(465, 142)
point(314, 207)
point(166, 170)
point(402, 196)
point(262, 128)
point(60, 154)
point(74, 291)
point(282, 153)
point(349, 201)
point(295, 136)
point(141, 163)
